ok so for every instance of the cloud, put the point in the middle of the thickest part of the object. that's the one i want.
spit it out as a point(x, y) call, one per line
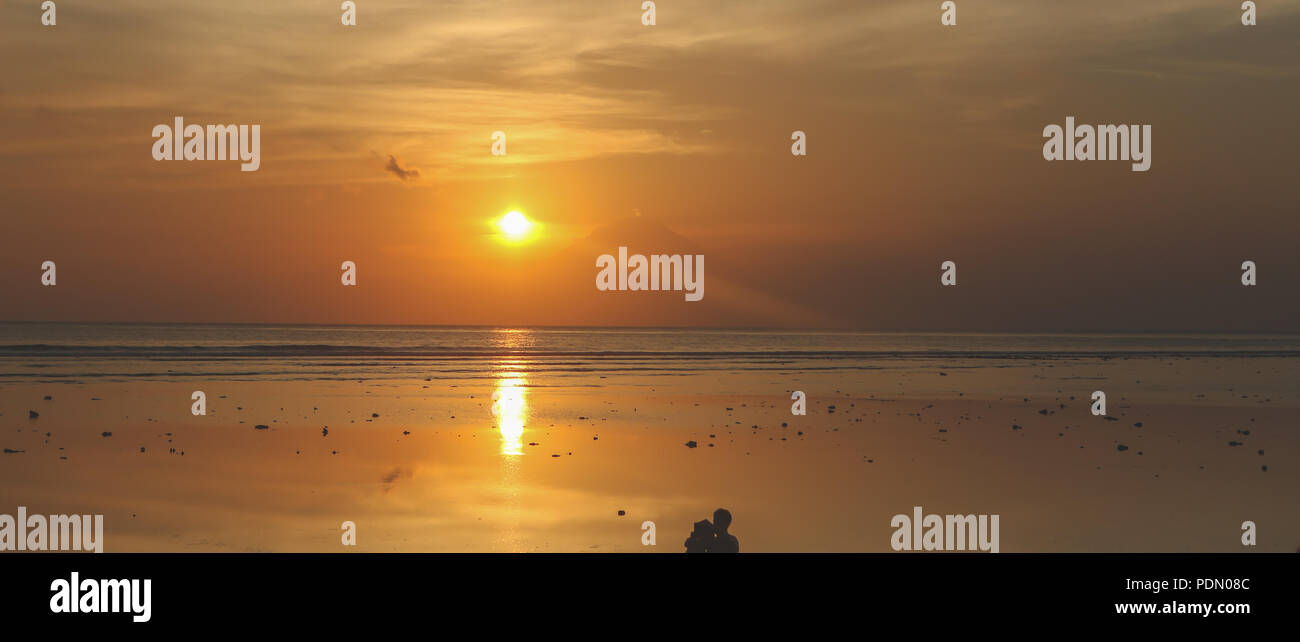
point(402, 174)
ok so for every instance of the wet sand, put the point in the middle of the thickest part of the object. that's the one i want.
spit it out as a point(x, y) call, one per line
point(436, 470)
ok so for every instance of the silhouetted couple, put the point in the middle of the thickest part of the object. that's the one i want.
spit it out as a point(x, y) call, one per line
point(713, 538)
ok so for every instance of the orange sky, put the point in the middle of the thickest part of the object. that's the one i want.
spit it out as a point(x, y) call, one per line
point(924, 146)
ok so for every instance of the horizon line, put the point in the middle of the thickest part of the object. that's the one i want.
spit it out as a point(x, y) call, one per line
point(672, 327)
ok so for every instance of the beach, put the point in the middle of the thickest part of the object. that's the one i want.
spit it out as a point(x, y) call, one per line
point(569, 440)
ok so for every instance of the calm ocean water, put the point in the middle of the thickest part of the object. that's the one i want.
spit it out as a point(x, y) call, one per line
point(65, 351)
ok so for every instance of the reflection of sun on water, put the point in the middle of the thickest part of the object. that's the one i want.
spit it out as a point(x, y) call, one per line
point(511, 409)
point(509, 399)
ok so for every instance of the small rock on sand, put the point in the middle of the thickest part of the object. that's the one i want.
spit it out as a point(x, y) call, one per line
point(261, 427)
point(32, 414)
point(691, 444)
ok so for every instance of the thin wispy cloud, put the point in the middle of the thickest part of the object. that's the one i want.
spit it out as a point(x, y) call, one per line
point(570, 81)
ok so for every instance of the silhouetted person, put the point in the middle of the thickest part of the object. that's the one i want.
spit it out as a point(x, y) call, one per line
point(723, 541)
point(701, 538)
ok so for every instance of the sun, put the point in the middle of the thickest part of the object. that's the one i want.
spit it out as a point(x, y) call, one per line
point(515, 225)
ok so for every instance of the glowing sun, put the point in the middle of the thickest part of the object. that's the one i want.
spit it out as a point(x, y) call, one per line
point(515, 225)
